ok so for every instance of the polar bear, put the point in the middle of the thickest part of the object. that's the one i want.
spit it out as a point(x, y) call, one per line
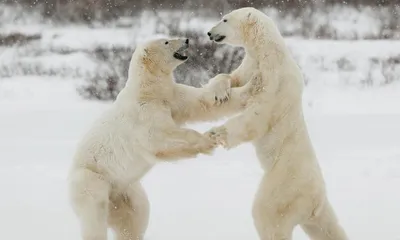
point(292, 190)
point(143, 127)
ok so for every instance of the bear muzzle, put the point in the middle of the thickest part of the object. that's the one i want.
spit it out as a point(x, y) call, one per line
point(179, 54)
point(216, 37)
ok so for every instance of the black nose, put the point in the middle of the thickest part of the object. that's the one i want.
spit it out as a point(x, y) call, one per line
point(187, 41)
point(209, 34)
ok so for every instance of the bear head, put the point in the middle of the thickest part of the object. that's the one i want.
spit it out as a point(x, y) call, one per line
point(239, 27)
point(162, 56)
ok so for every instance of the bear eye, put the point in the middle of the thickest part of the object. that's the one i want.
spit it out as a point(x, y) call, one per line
point(166, 42)
point(225, 20)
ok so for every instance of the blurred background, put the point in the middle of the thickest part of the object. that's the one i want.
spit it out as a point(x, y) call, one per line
point(92, 40)
point(62, 63)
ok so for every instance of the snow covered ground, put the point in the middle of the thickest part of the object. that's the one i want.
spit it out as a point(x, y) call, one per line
point(356, 135)
point(354, 126)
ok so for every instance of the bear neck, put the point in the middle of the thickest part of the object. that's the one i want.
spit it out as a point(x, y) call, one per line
point(148, 85)
point(155, 88)
point(261, 42)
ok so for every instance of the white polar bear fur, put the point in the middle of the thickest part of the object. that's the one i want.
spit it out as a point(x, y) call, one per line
point(292, 190)
point(141, 128)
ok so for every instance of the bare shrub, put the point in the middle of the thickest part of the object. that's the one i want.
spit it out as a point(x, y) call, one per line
point(206, 60)
point(390, 69)
point(382, 71)
point(89, 10)
point(345, 64)
point(368, 81)
point(17, 38)
point(110, 76)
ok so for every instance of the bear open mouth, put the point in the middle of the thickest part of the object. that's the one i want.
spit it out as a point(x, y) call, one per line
point(180, 54)
point(219, 38)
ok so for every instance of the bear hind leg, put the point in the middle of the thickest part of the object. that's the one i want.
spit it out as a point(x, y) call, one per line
point(89, 197)
point(273, 230)
point(129, 213)
point(325, 226)
point(273, 225)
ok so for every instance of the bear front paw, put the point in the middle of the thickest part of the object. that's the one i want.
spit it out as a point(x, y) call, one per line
point(219, 134)
point(207, 146)
point(222, 95)
point(220, 86)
